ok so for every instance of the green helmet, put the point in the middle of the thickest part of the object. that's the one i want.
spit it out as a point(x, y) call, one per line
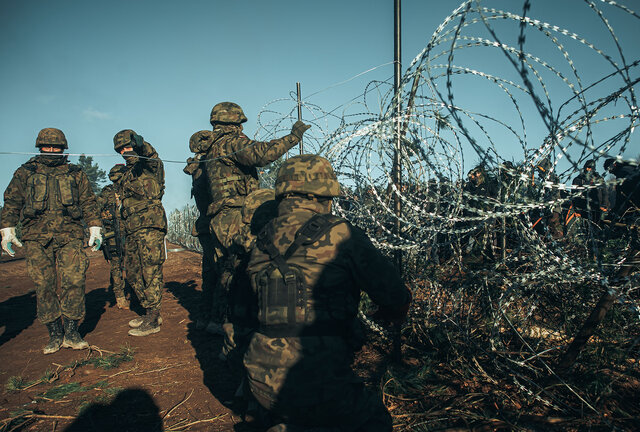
point(227, 112)
point(51, 137)
point(122, 139)
point(591, 164)
point(200, 141)
point(116, 172)
point(307, 174)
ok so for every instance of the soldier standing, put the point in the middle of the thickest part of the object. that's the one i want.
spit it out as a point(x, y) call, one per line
point(199, 143)
point(307, 271)
point(593, 201)
point(113, 245)
point(52, 198)
point(231, 174)
point(145, 224)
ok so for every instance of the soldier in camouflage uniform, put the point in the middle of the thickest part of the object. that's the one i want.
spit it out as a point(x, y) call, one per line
point(307, 272)
point(212, 311)
point(113, 244)
point(52, 198)
point(145, 225)
point(231, 174)
point(546, 220)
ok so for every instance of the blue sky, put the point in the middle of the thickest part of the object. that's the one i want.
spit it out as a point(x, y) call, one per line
point(92, 68)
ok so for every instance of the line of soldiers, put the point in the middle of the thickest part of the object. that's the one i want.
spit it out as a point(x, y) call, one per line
point(53, 202)
point(282, 276)
point(592, 208)
point(282, 279)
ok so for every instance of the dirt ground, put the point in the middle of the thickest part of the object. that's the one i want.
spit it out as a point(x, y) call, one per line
point(173, 381)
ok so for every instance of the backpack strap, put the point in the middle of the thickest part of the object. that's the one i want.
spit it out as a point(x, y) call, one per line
point(306, 235)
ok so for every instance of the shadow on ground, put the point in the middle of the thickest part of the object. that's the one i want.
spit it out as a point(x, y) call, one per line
point(132, 410)
point(16, 314)
point(221, 381)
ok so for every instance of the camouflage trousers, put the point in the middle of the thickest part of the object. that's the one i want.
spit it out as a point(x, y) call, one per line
point(116, 278)
point(46, 261)
point(307, 381)
point(214, 301)
point(144, 256)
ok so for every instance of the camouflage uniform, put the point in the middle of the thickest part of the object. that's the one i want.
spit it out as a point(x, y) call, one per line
point(109, 204)
point(145, 225)
point(259, 208)
point(212, 304)
point(231, 173)
point(298, 362)
point(52, 198)
point(546, 220)
point(481, 191)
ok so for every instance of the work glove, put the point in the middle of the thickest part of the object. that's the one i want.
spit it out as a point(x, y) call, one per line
point(8, 237)
point(95, 238)
point(137, 141)
point(298, 129)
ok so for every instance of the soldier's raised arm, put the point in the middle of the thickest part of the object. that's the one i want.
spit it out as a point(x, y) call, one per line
point(260, 153)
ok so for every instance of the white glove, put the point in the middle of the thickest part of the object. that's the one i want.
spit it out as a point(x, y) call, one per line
point(8, 237)
point(95, 238)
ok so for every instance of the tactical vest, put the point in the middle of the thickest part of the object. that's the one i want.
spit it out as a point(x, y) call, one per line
point(141, 190)
point(287, 306)
point(52, 189)
point(230, 182)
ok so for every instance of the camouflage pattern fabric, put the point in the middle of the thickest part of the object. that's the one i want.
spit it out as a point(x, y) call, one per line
point(51, 137)
point(227, 112)
point(231, 174)
point(42, 258)
point(307, 174)
point(201, 194)
point(51, 198)
point(116, 278)
point(145, 254)
point(259, 208)
point(307, 380)
point(213, 302)
point(231, 164)
point(142, 187)
point(109, 204)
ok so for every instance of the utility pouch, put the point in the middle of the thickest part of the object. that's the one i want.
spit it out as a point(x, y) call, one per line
point(37, 195)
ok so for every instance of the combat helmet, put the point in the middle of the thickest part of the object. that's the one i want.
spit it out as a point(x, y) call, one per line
point(590, 164)
point(200, 141)
point(227, 112)
point(51, 137)
point(307, 174)
point(122, 139)
point(116, 172)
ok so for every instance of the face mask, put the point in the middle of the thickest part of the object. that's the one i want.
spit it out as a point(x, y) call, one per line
point(52, 159)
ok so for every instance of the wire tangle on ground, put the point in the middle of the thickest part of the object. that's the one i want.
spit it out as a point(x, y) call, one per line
point(500, 113)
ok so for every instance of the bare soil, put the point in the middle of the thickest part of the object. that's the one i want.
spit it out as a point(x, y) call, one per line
point(173, 381)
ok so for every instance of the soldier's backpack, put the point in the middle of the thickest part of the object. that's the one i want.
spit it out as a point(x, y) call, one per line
point(282, 293)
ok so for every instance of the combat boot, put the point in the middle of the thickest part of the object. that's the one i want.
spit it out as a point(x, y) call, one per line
point(150, 324)
point(72, 338)
point(122, 303)
point(56, 334)
point(137, 322)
